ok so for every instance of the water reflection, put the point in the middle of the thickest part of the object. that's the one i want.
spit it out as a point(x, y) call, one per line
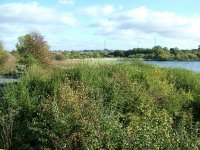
point(192, 65)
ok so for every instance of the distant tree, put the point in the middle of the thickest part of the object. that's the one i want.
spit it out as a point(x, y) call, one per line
point(7, 60)
point(15, 54)
point(96, 55)
point(118, 53)
point(3, 55)
point(75, 55)
point(174, 51)
point(1, 46)
point(165, 48)
point(157, 47)
point(34, 45)
point(60, 57)
point(161, 54)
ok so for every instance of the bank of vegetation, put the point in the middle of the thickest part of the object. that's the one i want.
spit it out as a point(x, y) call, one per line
point(7, 60)
point(109, 106)
point(97, 105)
point(157, 53)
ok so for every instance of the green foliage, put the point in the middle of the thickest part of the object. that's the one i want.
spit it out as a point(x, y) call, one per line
point(7, 61)
point(116, 106)
point(161, 54)
point(158, 53)
point(60, 57)
point(3, 58)
point(28, 61)
point(3, 55)
point(34, 45)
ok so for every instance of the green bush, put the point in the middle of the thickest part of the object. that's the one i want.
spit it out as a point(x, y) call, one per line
point(3, 57)
point(28, 61)
point(33, 47)
point(60, 57)
point(105, 106)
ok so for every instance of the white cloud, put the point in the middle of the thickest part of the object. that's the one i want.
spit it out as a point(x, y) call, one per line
point(115, 23)
point(17, 19)
point(166, 24)
point(20, 18)
point(108, 9)
point(20, 15)
point(96, 11)
point(144, 22)
point(67, 2)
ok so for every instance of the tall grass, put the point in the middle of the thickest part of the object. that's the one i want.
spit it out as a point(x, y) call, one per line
point(104, 106)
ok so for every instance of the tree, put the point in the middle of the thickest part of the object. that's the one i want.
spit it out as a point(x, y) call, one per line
point(174, 51)
point(96, 55)
point(3, 55)
point(34, 45)
point(60, 57)
point(1, 46)
point(118, 53)
point(161, 54)
point(7, 61)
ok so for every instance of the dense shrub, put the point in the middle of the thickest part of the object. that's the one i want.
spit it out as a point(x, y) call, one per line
point(33, 45)
point(7, 61)
point(116, 106)
point(60, 57)
point(3, 57)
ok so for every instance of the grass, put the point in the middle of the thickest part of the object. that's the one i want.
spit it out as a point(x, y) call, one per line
point(102, 106)
point(86, 61)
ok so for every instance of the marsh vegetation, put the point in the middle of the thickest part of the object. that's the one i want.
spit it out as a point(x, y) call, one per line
point(86, 105)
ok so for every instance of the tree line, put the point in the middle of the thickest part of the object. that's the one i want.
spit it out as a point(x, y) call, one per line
point(156, 53)
point(159, 53)
point(33, 48)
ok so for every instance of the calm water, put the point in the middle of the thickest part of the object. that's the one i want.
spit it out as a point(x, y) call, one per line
point(190, 65)
point(194, 65)
point(4, 80)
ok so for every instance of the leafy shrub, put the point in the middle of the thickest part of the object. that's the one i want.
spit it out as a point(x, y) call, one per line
point(60, 57)
point(7, 61)
point(106, 106)
point(3, 57)
point(33, 45)
point(28, 61)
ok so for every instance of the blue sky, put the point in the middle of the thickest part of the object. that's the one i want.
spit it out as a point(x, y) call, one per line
point(86, 24)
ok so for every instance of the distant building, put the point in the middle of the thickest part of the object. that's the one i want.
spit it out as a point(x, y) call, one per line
point(199, 47)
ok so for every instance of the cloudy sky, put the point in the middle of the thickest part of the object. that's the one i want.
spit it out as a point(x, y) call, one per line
point(86, 24)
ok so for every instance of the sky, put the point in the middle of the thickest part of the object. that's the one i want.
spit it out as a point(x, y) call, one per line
point(99, 24)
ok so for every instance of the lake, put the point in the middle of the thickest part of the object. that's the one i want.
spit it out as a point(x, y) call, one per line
point(191, 65)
